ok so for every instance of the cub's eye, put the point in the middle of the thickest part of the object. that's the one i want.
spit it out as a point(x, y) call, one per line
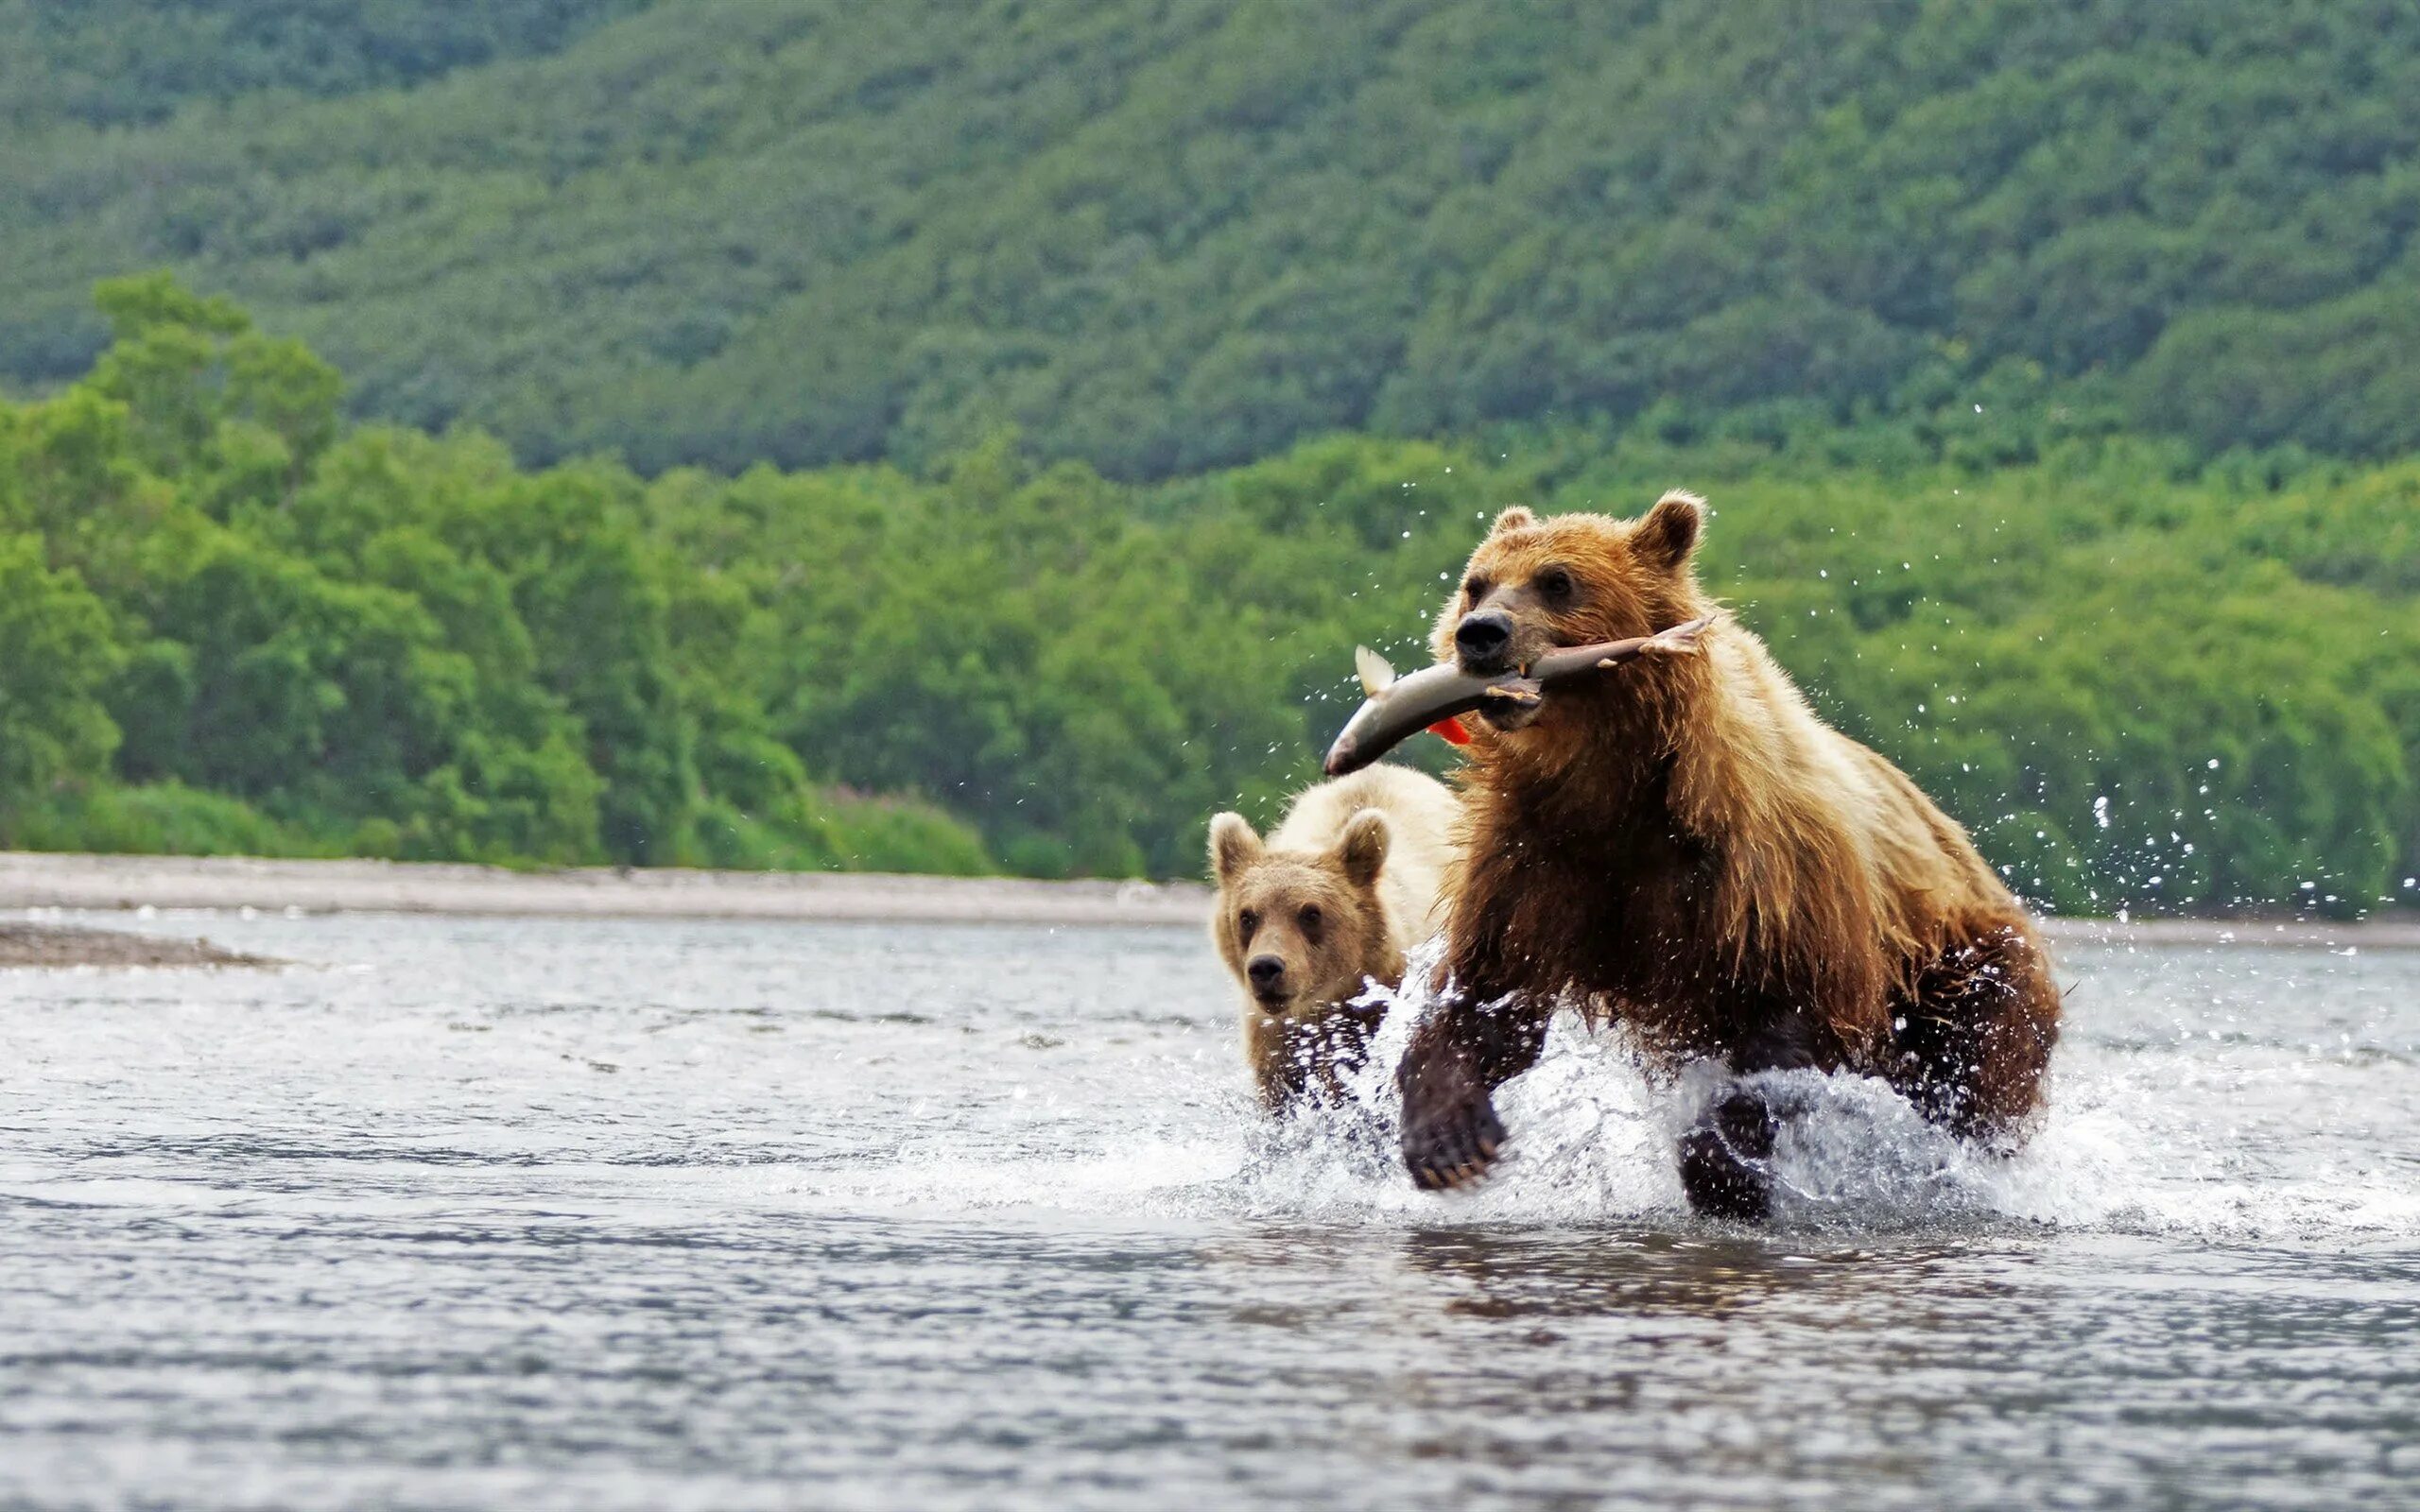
point(1246, 922)
point(1555, 583)
point(1310, 919)
point(1476, 587)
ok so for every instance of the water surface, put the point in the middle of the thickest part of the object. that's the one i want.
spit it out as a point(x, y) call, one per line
point(610, 1213)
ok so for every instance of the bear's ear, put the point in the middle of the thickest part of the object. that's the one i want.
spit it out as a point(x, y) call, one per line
point(1670, 531)
point(1516, 518)
point(1233, 846)
point(1361, 851)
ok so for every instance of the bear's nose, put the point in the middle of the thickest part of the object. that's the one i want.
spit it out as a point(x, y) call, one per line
point(1484, 642)
point(1266, 973)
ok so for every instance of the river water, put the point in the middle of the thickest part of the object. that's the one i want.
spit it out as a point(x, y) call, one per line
point(536, 1213)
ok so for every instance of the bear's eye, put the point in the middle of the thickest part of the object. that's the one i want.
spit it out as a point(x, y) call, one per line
point(1555, 583)
point(1476, 587)
point(1246, 922)
point(1310, 919)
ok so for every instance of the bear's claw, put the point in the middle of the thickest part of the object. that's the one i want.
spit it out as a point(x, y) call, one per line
point(1454, 1146)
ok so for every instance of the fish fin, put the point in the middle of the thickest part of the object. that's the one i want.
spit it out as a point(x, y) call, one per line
point(1377, 676)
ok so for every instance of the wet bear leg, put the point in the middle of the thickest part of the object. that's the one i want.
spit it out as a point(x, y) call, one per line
point(1974, 1038)
point(1455, 1062)
point(1335, 1046)
point(1726, 1156)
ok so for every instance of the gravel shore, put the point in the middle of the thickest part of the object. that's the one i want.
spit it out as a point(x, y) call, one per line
point(29, 880)
point(91, 882)
point(50, 946)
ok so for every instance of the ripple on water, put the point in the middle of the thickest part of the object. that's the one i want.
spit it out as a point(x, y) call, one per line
point(541, 1213)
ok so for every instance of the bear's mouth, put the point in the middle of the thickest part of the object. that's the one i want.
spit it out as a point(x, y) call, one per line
point(1506, 716)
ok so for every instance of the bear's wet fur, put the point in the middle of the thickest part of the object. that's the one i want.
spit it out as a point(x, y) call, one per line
point(1330, 902)
point(1684, 847)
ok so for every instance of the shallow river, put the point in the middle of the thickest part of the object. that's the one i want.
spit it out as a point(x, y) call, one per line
point(532, 1213)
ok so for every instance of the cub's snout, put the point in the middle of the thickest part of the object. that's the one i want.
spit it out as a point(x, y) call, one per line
point(1268, 974)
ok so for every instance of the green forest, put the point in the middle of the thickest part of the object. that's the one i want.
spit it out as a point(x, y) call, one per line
point(233, 620)
point(1166, 237)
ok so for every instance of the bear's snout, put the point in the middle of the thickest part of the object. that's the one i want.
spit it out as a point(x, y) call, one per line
point(1267, 973)
point(1483, 643)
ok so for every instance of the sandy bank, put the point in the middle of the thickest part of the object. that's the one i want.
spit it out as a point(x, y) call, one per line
point(60, 945)
point(44, 881)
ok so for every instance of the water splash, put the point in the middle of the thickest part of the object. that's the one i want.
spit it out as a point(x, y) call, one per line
point(2128, 1145)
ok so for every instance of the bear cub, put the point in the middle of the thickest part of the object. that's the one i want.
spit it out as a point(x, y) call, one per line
point(1349, 882)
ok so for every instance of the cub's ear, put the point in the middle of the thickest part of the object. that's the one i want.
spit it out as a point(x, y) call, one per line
point(1670, 531)
point(1233, 846)
point(1516, 518)
point(1361, 850)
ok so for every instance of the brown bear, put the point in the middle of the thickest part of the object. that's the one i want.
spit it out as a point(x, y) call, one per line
point(1341, 890)
point(1682, 846)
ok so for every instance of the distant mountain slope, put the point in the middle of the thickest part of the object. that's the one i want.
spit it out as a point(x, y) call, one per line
point(111, 62)
point(1163, 235)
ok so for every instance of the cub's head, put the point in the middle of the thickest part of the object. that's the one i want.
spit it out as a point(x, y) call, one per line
point(1300, 929)
point(1535, 584)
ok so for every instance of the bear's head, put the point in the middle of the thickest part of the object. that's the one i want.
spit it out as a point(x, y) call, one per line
point(1302, 929)
point(1536, 584)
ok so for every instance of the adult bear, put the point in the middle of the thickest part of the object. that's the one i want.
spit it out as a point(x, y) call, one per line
point(1682, 846)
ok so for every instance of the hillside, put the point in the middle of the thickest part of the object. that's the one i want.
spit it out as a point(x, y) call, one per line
point(1170, 236)
point(135, 62)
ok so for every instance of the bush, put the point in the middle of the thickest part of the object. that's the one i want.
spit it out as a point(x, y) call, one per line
point(167, 818)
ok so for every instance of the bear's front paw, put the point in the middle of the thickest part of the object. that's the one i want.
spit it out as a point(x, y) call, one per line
point(1726, 1161)
point(1450, 1130)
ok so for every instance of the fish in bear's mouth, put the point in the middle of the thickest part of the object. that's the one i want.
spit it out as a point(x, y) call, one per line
point(1507, 716)
point(1435, 696)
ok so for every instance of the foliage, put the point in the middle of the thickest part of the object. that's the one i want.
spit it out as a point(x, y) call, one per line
point(165, 818)
point(1167, 237)
point(56, 657)
point(225, 623)
point(136, 60)
point(2143, 681)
